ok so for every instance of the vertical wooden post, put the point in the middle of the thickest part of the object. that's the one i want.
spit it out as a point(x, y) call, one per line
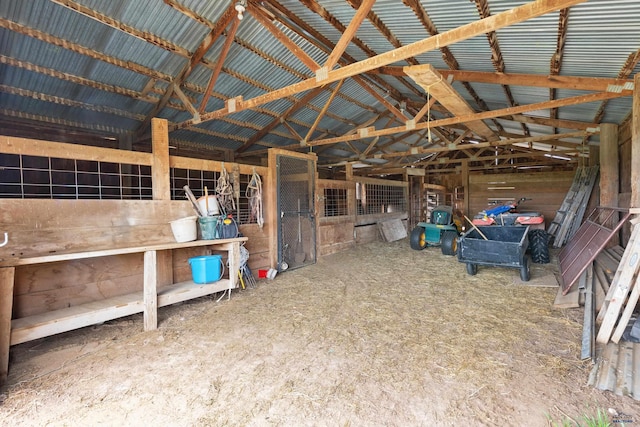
point(465, 185)
point(161, 183)
point(160, 168)
point(150, 296)
point(635, 145)
point(7, 275)
point(609, 175)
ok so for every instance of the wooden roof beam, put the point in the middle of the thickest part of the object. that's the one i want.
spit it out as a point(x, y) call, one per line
point(486, 114)
point(464, 32)
point(434, 84)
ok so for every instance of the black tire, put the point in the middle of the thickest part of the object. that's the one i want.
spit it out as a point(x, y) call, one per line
point(525, 272)
point(472, 269)
point(539, 246)
point(449, 242)
point(418, 239)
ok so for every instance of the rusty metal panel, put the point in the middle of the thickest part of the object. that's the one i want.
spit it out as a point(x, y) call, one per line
point(587, 242)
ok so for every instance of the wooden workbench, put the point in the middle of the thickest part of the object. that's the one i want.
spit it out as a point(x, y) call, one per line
point(16, 331)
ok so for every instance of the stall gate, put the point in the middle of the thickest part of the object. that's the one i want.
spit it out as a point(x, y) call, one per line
point(296, 205)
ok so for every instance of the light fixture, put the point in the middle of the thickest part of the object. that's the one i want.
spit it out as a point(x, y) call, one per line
point(240, 8)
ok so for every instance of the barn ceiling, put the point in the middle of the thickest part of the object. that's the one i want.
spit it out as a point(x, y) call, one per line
point(387, 84)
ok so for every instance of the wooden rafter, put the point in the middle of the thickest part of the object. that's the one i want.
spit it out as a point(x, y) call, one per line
point(349, 32)
point(194, 60)
point(221, 58)
point(484, 144)
point(324, 110)
point(515, 79)
point(496, 55)
point(488, 114)
point(556, 58)
point(494, 22)
point(434, 84)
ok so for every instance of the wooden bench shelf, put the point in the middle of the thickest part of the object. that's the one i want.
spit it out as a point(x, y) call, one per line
point(147, 301)
point(79, 316)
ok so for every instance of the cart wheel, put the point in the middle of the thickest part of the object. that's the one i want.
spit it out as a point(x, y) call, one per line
point(472, 269)
point(418, 239)
point(539, 246)
point(449, 244)
point(525, 273)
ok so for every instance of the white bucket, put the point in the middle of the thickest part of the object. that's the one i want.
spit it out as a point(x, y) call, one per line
point(184, 229)
point(213, 205)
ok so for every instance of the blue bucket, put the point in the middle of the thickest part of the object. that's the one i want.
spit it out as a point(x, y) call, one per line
point(206, 268)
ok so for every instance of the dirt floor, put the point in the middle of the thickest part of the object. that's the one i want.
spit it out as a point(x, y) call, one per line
point(376, 336)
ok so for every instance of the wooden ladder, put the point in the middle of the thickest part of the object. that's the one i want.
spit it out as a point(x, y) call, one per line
point(569, 216)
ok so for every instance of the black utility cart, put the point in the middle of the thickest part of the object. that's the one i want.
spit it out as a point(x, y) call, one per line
point(497, 247)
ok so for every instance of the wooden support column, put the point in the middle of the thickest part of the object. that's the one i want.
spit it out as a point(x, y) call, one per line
point(161, 183)
point(635, 146)
point(464, 167)
point(150, 294)
point(609, 175)
point(7, 275)
point(609, 165)
point(160, 167)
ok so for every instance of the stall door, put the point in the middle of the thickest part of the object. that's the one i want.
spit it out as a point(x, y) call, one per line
point(296, 222)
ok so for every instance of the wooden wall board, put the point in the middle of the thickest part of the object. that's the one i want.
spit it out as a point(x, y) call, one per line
point(56, 275)
point(367, 233)
point(74, 294)
point(547, 190)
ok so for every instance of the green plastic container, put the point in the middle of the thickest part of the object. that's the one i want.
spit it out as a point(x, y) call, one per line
point(208, 227)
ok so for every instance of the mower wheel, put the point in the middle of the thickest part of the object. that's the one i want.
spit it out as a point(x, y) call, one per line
point(472, 269)
point(449, 243)
point(418, 238)
point(539, 246)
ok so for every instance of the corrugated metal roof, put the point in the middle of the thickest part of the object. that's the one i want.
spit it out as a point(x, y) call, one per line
point(142, 46)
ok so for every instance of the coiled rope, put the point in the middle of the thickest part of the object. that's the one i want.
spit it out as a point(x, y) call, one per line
point(254, 194)
point(224, 189)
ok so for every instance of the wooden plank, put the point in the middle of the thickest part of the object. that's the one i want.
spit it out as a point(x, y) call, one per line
point(62, 150)
point(67, 319)
point(621, 285)
point(435, 85)
point(628, 311)
point(569, 300)
point(6, 304)
point(187, 290)
point(160, 176)
point(220, 244)
point(392, 230)
point(150, 293)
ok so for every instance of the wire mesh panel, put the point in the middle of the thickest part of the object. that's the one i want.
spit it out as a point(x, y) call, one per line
point(296, 223)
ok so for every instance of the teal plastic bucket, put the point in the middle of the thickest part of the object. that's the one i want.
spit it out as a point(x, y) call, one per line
point(208, 227)
point(206, 268)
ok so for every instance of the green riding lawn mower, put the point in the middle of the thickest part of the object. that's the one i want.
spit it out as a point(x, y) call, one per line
point(442, 230)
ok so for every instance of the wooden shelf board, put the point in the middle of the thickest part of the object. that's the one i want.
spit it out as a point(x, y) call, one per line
point(67, 319)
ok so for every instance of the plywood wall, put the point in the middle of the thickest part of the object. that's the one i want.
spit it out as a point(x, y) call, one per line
point(547, 191)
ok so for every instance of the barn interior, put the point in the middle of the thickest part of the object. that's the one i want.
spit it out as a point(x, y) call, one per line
point(311, 130)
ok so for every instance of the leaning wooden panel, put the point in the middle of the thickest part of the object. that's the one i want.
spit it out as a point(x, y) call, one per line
point(6, 303)
point(621, 286)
